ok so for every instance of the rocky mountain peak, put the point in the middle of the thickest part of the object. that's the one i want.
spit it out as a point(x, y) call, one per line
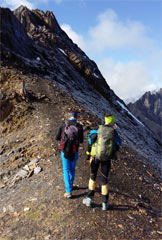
point(51, 21)
point(33, 20)
point(48, 42)
point(149, 109)
point(22, 8)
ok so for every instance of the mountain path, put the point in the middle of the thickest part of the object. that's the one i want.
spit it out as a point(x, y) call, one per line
point(34, 208)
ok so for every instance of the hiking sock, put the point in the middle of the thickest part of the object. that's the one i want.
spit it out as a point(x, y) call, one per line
point(105, 206)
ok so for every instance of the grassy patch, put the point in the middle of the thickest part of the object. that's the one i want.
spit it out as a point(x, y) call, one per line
point(55, 216)
point(33, 215)
point(24, 190)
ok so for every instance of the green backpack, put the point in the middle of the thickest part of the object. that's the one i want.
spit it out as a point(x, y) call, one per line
point(105, 142)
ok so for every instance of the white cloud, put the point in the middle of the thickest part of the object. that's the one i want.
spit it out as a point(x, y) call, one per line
point(78, 39)
point(128, 80)
point(112, 33)
point(13, 4)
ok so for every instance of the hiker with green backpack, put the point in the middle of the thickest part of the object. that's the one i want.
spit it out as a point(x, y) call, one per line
point(103, 144)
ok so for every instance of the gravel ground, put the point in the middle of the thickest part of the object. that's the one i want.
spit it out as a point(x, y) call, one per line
point(34, 208)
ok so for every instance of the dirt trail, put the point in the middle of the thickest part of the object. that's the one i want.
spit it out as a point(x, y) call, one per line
point(34, 208)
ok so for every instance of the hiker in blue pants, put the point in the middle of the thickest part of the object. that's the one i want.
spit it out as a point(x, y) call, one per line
point(70, 134)
point(69, 172)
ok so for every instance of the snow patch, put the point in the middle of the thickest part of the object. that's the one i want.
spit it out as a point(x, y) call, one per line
point(95, 75)
point(63, 51)
point(122, 105)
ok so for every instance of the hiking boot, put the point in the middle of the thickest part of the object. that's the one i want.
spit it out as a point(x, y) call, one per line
point(87, 201)
point(105, 206)
point(67, 195)
point(75, 187)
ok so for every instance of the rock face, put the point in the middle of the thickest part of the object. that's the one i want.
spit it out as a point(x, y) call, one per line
point(37, 36)
point(33, 43)
point(13, 36)
point(149, 110)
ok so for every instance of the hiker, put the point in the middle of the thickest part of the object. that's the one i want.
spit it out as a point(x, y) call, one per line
point(70, 134)
point(102, 147)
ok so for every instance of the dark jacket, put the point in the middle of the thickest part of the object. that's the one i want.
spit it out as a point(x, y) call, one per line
point(60, 134)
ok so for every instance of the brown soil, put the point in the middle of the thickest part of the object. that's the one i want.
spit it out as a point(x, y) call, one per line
point(34, 207)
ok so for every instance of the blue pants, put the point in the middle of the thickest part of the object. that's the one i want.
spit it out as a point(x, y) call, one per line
point(69, 171)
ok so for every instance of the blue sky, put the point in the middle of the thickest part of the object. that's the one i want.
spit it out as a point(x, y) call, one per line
point(123, 37)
